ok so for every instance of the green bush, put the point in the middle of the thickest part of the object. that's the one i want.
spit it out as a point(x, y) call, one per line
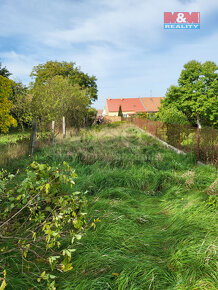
point(38, 213)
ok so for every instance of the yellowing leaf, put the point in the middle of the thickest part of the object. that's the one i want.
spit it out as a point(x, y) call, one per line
point(47, 187)
point(115, 274)
point(78, 237)
point(3, 285)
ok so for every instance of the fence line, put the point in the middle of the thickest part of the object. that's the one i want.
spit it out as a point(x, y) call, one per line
point(202, 142)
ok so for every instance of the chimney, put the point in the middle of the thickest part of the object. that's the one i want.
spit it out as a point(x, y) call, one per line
point(121, 98)
point(108, 98)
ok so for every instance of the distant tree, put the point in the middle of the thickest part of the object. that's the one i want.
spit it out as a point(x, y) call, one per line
point(4, 71)
point(90, 116)
point(142, 115)
point(43, 72)
point(6, 120)
point(120, 113)
point(153, 116)
point(196, 95)
point(57, 98)
point(21, 109)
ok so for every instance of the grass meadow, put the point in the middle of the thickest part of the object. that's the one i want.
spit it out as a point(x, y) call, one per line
point(15, 145)
point(157, 212)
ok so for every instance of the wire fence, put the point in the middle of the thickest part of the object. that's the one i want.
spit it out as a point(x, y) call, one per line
point(201, 142)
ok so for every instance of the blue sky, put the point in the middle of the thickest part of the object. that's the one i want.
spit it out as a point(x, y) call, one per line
point(121, 42)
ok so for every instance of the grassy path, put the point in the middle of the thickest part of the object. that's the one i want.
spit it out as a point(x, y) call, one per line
point(157, 228)
point(126, 250)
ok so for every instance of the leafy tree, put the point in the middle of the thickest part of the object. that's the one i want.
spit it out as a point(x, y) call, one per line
point(172, 116)
point(57, 98)
point(142, 115)
point(6, 120)
point(43, 72)
point(4, 71)
point(21, 109)
point(79, 105)
point(90, 116)
point(196, 93)
point(120, 113)
point(153, 116)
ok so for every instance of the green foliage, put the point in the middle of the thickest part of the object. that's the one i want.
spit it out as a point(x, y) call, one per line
point(43, 72)
point(45, 208)
point(51, 100)
point(21, 109)
point(153, 117)
point(113, 124)
point(142, 115)
point(4, 71)
point(120, 113)
point(196, 93)
point(90, 116)
point(6, 120)
point(172, 115)
point(148, 116)
point(57, 98)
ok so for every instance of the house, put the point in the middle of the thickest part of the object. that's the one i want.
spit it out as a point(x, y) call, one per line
point(131, 106)
point(151, 105)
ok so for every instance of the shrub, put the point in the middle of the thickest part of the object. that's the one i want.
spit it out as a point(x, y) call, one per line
point(37, 216)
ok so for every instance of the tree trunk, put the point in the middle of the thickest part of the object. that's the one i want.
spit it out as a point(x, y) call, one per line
point(198, 122)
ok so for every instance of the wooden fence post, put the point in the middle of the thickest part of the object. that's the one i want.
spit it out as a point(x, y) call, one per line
point(52, 131)
point(33, 136)
point(64, 128)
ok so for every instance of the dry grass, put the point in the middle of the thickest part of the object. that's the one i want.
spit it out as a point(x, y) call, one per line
point(213, 188)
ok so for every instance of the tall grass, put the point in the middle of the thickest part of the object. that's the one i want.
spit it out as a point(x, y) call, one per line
point(17, 145)
point(157, 228)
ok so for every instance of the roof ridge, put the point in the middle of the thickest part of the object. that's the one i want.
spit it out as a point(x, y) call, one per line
point(143, 104)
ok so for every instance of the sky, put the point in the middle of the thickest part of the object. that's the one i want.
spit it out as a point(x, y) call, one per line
point(121, 42)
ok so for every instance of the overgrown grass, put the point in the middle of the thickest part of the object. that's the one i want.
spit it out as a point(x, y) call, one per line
point(157, 212)
point(17, 144)
point(14, 137)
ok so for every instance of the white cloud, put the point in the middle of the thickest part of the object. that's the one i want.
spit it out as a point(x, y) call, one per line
point(122, 42)
point(19, 65)
point(124, 22)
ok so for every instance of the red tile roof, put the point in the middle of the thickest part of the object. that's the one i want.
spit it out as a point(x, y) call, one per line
point(152, 104)
point(127, 105)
